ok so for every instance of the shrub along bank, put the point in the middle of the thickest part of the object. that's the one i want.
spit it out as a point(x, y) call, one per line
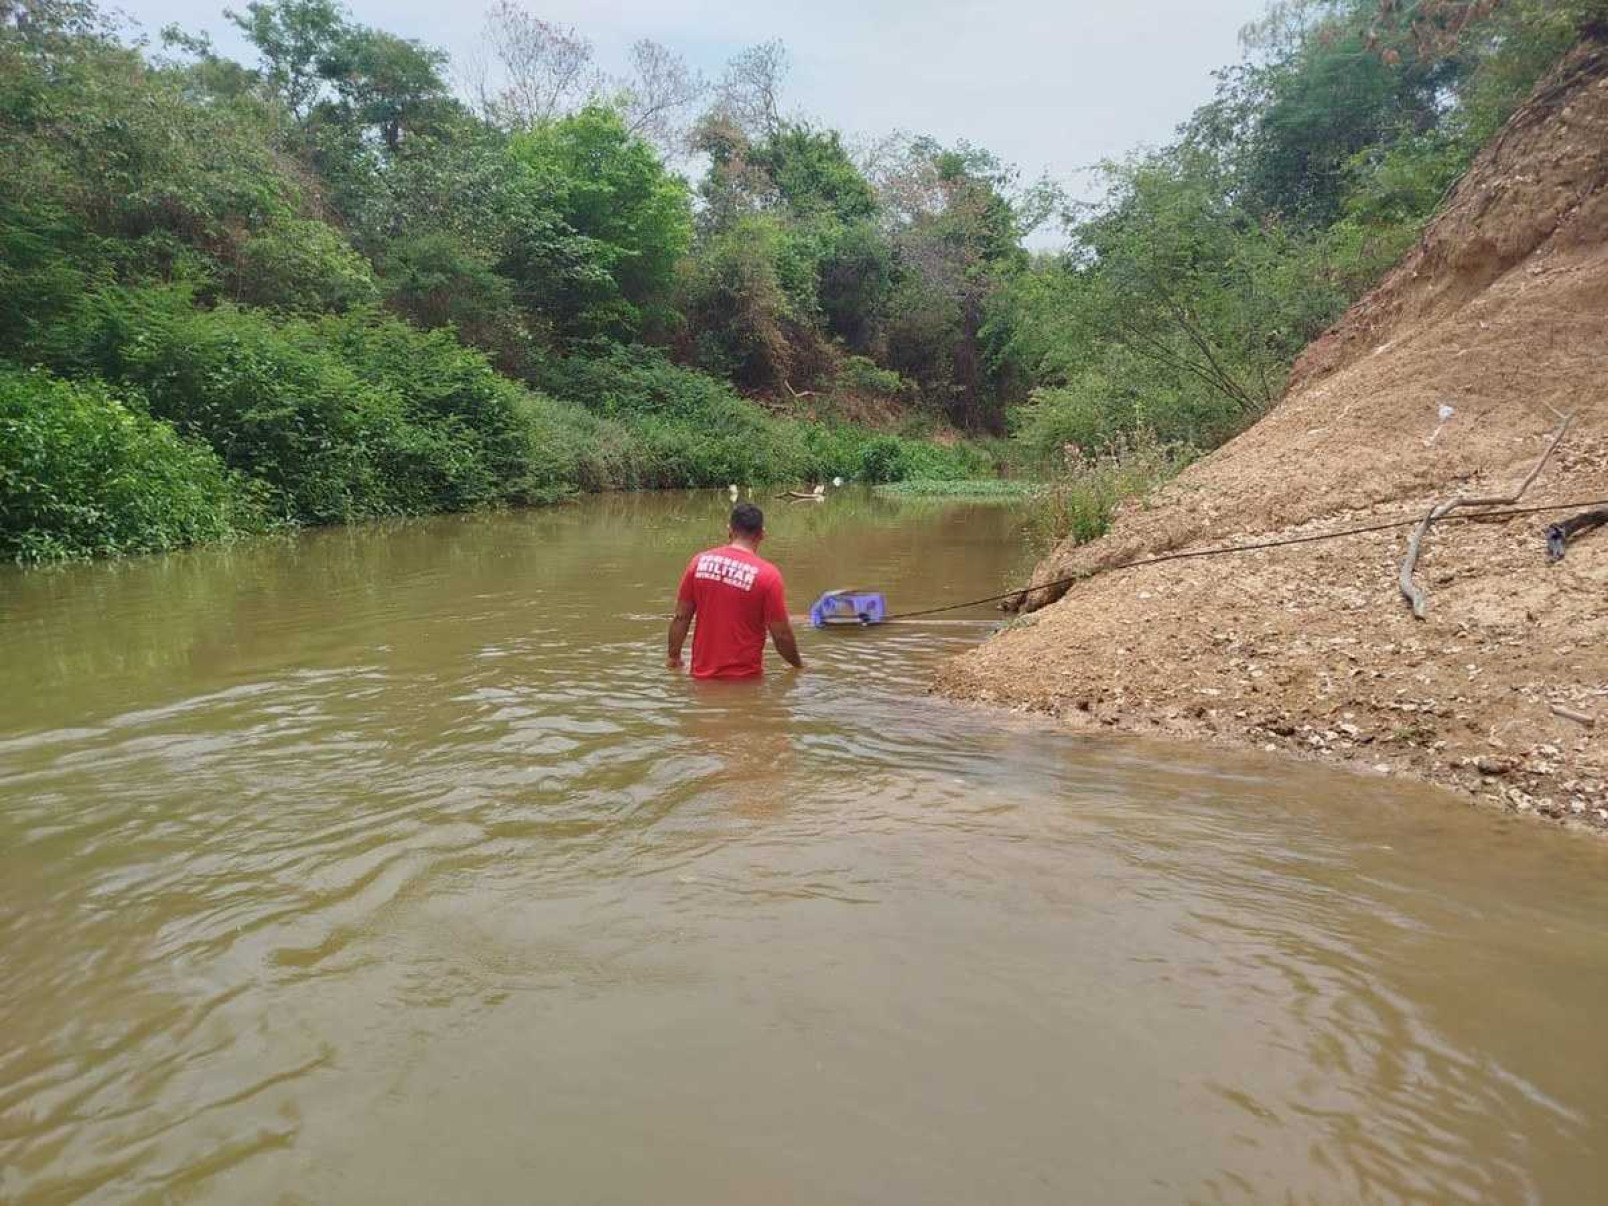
point(320, 289)
point(145, 423)
point(83, 471)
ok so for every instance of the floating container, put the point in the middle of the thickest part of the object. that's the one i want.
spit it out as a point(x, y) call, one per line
point(848, 607)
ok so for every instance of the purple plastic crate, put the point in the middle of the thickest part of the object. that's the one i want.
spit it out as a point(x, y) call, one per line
point(848, 607)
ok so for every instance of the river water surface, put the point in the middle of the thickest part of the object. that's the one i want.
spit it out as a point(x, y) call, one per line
point(389, 865)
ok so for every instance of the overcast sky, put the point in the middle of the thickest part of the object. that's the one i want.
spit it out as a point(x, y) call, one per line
point(1049, 85)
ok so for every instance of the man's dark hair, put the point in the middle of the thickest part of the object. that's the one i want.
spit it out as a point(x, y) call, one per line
point(747, 519)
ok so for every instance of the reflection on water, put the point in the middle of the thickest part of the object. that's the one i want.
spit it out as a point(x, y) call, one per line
point(390, 865)
point(742, 729)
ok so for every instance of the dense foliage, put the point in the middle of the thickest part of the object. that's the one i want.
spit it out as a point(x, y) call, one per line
point(1191, 287)
point(320, 288)
point(83, 471)
point(323, 286)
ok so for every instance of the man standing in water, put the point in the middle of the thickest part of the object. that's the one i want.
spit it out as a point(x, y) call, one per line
point(738, 597)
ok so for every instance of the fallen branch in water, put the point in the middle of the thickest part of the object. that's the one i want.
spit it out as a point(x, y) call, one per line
point(1410, 589)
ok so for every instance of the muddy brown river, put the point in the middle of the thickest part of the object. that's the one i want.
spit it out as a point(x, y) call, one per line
point(389, 865)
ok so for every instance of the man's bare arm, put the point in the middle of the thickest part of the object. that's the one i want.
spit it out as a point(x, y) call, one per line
point(786, 643)
point(678, 632)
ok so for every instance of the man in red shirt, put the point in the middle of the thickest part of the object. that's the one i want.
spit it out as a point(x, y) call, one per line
point(738, 597)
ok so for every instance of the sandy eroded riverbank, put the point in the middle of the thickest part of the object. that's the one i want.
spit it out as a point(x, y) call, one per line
point(1500, 314)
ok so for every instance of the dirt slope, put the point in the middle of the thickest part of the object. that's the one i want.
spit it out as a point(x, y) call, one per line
point(1500, 312)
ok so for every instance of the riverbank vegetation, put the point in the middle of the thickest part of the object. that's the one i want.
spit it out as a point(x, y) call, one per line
point(1208, 264)
point(1079, 501)
point(322, 287)
point(329, 284)
point(991, 489)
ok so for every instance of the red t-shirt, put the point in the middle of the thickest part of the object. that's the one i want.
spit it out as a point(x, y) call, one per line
point(735, 596)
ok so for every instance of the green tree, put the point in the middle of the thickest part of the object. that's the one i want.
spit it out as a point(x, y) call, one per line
point(300, 41)
point(956, 241)
point(812, 173)
point(855, 275)
point(617, 223)
point(743, 321)
point(389, 84)
point(435, 279)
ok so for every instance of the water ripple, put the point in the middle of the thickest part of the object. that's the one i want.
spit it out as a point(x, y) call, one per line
point(438, 859)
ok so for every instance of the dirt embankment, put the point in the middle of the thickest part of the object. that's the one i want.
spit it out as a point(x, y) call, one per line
point(1501, 313)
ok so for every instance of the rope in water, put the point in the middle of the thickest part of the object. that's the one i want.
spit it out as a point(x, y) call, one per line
point(1225, 550)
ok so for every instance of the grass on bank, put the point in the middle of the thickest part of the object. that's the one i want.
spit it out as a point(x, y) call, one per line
point(1079, 502)
point(1078, 499)
point(1000, 489)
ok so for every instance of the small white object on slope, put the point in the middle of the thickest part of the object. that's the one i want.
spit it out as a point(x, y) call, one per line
point(1445, 411)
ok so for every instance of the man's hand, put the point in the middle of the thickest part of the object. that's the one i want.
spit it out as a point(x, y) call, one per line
point(680, 623)
point(786, 643)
